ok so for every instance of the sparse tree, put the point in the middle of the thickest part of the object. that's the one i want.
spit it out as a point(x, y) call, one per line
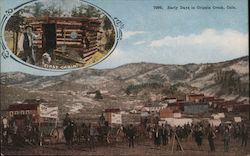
point(13, 25)
point(37, 9)
point(98, 95)
point(83, 10)
point(53, 11)
point(92, 12)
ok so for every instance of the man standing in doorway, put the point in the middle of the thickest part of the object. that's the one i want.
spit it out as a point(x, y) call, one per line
point(25, 45)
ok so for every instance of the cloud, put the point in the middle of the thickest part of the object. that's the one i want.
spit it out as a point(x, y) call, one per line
point(206, 47)
point(128, 34)
point(227, 41)
point(139, 42)
point(120, 57)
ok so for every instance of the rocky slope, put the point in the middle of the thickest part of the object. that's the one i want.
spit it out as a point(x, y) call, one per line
point(229, 79)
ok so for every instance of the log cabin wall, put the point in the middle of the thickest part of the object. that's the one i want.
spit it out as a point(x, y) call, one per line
point(87, 30)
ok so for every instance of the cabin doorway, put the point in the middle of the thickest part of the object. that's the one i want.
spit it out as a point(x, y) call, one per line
point(49, 38)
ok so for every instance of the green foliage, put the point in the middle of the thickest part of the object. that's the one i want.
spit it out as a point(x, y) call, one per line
point(14, 22)
point(53, 11)
point(83, 10)
point(40, 10)
point(37, 10)
point(92, 12)
point(98, 95)
point(74, 12)
point(231, 83)
point(107, 23)
point(136, 88)
point(170, 90)
point(173, 89)
point(110, 40)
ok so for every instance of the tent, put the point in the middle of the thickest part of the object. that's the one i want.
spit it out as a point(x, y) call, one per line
point(214, 122)
point(177, 122)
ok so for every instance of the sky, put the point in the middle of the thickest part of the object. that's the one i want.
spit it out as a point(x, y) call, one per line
point(167, 36)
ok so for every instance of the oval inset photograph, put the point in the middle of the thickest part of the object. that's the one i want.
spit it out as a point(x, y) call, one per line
point(60, 34)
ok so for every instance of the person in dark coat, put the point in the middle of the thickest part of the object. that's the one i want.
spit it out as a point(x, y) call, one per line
point(92, 136)
point(211, 136)
point(156, 134)
point(244, 136)
point(69, 133)
point(68, 129)
point(164, 135)
point(66, 120)
point(101, 120)
point(160, 135)
point(226, 139)
point(131, 135)
point(198, 137)
point(14, 128)
point(25, 44)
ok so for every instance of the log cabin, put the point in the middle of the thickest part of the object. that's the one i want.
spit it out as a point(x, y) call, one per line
point(66, 34)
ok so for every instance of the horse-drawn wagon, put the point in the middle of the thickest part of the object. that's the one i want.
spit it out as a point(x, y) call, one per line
point(33, 121)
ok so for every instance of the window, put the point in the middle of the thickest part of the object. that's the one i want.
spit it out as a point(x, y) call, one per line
point(27, 111)
point(22, 112)
point(16, 113)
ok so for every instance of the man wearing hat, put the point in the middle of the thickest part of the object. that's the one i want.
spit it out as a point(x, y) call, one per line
point(25, 44)
point(66, 120)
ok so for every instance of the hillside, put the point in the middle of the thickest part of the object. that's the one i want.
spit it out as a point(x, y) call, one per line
point(123, 85)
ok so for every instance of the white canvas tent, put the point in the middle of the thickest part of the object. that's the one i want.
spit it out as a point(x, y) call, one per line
point(237, 119)
point(218, 115)
point(214, 122)
point(177, 122)
point(177, 115)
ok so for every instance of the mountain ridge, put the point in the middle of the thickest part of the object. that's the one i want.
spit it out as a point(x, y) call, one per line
point(228, 79)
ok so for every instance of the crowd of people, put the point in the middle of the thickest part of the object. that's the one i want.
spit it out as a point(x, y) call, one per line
point(237, 132)
point(163, 135)
point(102, 132)
point(16, 134)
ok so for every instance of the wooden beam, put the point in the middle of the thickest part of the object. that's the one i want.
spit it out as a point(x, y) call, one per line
point(69, 23)
point(68, 43)
point(68, 39)
point(69, 58)
point(89, 54)
point(69, 30)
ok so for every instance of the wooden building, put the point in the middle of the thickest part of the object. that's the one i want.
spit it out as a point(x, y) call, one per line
point(176, 107)
point(67, 34)
point(29, 109)
point(23, 112)
point(166, 113)
point(169, 99)
point(113, 116)
point(196, 108)
point(194, 97)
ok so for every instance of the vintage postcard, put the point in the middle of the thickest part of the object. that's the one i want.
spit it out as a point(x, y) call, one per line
point(124, 77)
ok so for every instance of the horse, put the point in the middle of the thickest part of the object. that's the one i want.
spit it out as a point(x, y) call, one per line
point(102, 132)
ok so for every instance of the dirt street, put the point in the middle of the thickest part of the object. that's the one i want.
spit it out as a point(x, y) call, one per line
point(141, 148)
